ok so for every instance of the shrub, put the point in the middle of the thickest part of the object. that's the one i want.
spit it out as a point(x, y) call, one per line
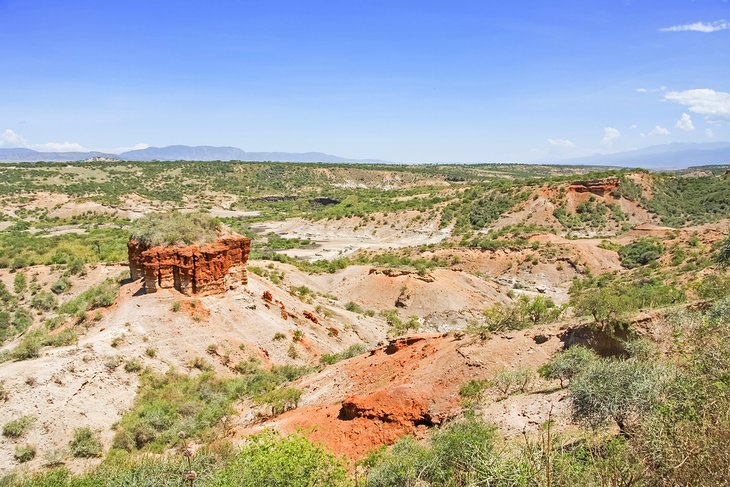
point(85, 443)
point(18, 427)
point(618, 390)
point(132, 365)
point(61, 285)
point(537, 310)
point(293, 461)
point(472, 392)
point(640, 252)
point(723, 254)
point(44, 301)
point(20, 283)
point(567, 364)
point(175, 228)
point(280, 400)
point(507, 381)
point(351, 351)
point(24, 453)
point(354, 307)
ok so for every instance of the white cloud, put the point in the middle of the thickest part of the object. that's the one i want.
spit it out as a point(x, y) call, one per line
point(699, 27)
point(659, 130)
point(59, 147)
point(610, 135)
point(652, 90)
point(561, 143)
point(703, 101)
point(685, 123)
point(10, 139)
point(119, 150)
point(709, 133)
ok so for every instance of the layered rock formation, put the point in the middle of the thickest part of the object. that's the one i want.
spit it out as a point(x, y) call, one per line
point(600, 187)
point(208, 269)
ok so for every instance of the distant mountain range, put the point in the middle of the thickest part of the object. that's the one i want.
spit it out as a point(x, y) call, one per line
point(173, 153)
point(666, 156)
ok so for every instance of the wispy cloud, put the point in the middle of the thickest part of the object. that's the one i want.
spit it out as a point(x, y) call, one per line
point(610, 135)
point(685, 123)
point(703, 101)
point(119, 150)
point(10, 138)
point(705, 27)
point(659, 130)
point(561, 143)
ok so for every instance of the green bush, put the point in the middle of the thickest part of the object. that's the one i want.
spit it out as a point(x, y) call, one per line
point(507, 381)
point(267, 459)
point(18, 427)
point(20, 283)
point(567, 364)
point(617, 390)
point(175, 228)
point(44, 301)
point(24, 453)
point(351, 351)
point(85, 443)
point(61, 285)
point(133, 365)
point(280, 400)
point(723, 254)
point(640, 252)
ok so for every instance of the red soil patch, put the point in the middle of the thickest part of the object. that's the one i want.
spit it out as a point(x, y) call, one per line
point(402, 388)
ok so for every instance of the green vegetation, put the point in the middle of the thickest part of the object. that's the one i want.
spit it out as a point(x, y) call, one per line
point(610, 298)
point(292, 461)
point(85, 443)
point(690, 200)
point(525, 312)
point(351, 351)
point(95, 245)
point(169, 403)
point(568, 364)
point(24, 453)
point(175, 228)
point(640, 252)
point(18, 427)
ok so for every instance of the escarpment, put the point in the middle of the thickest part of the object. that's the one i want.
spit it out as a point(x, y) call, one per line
point(207, 269)
point(599, 187)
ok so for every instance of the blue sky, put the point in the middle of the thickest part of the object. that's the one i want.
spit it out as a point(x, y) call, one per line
point(451, 80)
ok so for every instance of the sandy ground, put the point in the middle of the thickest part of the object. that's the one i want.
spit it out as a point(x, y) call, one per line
point(338, 238)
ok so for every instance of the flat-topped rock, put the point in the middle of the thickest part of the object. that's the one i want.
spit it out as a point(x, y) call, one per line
point(208, 269)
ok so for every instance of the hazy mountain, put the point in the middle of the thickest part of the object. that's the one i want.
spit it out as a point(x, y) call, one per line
point(211, 153)
point(29, 155)
point(666, 156)
point(174, 153)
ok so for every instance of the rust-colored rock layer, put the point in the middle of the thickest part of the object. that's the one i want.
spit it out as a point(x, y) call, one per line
point(209, 269)
point(600, 187)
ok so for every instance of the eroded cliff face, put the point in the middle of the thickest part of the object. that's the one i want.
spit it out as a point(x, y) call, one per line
point(599, 187)
point(208, 269)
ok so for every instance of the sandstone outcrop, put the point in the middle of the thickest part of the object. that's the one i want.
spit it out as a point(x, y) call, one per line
point(600, 187)
point(203, 270)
